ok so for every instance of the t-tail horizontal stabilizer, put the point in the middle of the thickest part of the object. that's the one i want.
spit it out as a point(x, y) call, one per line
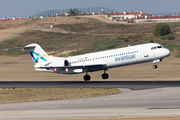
point(36, 52)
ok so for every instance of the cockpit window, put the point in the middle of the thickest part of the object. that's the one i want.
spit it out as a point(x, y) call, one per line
point(159, 46)
point(156, 47)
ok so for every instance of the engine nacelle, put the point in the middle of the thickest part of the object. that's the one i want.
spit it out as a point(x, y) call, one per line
point(66, 63)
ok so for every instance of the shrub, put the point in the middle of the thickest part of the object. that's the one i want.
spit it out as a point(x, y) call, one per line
point(10, 41)
point(172, 46)
point(126, 40)
point(136, 40)
point(151, 41)
point(161, 29)
point(167, 37)
point(176, 25)
point(177, 55)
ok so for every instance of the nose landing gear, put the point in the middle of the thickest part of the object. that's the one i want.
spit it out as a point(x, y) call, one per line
point(155, 66)
point(155, 61)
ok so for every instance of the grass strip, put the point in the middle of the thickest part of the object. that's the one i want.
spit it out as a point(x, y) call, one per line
point(8, 95)
point(167, 37)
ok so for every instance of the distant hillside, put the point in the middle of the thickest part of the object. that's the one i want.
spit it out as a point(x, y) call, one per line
point(76, 35)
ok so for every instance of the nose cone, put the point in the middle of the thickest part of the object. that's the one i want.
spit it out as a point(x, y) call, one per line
point(167, 52)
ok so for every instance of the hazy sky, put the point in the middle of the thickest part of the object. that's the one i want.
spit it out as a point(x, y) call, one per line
point(9, 8)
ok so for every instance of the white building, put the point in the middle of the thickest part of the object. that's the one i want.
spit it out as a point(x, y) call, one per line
point(127, 15)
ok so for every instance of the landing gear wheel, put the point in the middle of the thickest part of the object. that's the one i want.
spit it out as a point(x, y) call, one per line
point(154, 66)
point(87, 77)
point(105, 76)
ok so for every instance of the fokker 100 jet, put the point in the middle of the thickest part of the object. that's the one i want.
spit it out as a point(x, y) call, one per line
point(96, 61)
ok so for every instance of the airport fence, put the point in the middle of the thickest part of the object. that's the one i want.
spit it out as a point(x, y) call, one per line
point(49, 13)
point(107, 11)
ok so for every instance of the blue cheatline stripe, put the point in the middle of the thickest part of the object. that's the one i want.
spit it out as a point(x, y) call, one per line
point(33, 57)
point(38, 56)
point(43, 58)
point(35, 53)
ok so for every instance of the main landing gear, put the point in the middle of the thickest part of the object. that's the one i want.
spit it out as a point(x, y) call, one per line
point(87, 77)
point(104, 76)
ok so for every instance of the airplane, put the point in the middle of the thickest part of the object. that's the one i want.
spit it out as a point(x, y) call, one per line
point(96, 61)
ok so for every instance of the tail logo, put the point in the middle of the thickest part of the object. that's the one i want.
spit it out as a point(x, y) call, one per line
point(36, 59)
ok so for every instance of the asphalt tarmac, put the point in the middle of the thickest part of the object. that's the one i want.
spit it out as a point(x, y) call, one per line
point(132, 85)
point(147, 102)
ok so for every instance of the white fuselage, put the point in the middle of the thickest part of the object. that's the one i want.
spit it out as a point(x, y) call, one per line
point(112, 58)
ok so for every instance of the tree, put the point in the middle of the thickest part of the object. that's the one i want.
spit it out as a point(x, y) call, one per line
point(161, 29)
point(72, 12)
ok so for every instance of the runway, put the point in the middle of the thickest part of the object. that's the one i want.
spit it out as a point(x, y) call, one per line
point(137, 98)
point(147, 102)
point(133, 85)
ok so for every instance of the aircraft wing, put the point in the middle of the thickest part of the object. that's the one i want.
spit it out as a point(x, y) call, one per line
point(78, 66)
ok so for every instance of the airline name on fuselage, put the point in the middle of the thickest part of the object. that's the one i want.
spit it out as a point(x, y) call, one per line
point(126, 57)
